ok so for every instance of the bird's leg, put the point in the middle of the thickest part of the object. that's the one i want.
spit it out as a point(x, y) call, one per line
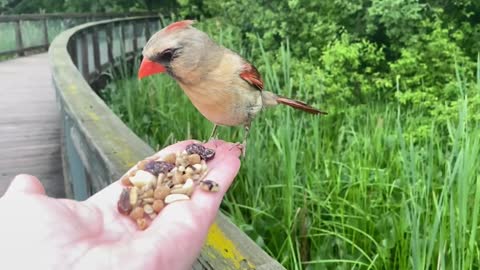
point(243, 145)
point(214, 131)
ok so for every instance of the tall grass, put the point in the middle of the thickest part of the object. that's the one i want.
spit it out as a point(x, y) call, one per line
point(345, 191)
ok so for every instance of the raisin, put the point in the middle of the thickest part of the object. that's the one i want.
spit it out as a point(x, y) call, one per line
point(157, 167)
point(204, 153)
point(123, 205)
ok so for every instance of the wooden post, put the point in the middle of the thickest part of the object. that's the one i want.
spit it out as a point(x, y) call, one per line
point(96, 50)
point(72, 45)
point(45, 33)
point(110, 42)
point(84, 56)
point(18, 38)
point(122, 39)
point(147, 30)
point(134, 37)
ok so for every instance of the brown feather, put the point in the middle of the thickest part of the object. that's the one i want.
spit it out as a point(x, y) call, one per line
point(251, 75)
point(299, 105)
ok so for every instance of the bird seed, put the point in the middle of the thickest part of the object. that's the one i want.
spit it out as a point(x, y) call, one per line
point(152, 184)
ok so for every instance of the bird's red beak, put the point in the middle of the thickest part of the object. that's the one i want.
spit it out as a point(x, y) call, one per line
point(148, 68)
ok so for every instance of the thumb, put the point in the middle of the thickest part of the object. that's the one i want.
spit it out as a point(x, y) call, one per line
point(24, 183)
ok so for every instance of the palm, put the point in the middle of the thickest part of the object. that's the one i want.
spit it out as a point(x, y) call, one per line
point(92, 234)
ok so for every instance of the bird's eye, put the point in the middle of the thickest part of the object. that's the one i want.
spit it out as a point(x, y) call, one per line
point(165, 57)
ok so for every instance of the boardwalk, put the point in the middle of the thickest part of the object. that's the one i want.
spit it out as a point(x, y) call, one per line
point(29, 124)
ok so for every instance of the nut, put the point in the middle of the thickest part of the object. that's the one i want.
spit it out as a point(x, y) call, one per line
point(148, 200)
point(147, 208)
point(170, 158)
point(193, 159)
point(147, 194)
point(142, 223)
point(186, 188)
point(137, 213)
point(209, 185)
point(123, 204)
point(176, 198)
point(141, 164)
point(133, 197)
point(161, 177)
point(178, 179)
point(161, 192)
point(142, 178)
point(158, 205)
point(126, 181)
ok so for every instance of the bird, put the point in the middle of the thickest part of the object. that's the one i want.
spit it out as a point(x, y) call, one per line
point(223, 86)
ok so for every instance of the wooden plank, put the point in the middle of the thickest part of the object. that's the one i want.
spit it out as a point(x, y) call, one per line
point(18, 38)
point(29, 124)
point(72, 49)
point(33, 17)
point(45, 33)
point(109, 31)
point(84, 54)
point(96, 51)
point(134, 37)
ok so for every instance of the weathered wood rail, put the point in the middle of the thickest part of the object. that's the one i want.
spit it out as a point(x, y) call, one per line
point(98, 147)
point(42, 44)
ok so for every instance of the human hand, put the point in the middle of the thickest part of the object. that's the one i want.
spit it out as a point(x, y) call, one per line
point(40, 232)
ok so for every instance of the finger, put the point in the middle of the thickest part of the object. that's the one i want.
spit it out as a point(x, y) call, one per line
point(186, 223)
point(107, 197)
point(24, 183)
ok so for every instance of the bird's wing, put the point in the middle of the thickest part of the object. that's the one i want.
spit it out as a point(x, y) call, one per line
point(250, 74)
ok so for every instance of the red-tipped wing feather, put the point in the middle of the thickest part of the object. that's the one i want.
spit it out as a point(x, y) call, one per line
point(250, 74)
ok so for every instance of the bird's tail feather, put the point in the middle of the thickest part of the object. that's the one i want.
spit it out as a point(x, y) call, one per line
point(298, 105)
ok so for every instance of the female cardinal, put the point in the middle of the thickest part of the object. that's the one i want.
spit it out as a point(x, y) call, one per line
point(223, 86)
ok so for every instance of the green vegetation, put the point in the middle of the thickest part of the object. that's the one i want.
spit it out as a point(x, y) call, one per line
point(352, 190)
point(390, 178)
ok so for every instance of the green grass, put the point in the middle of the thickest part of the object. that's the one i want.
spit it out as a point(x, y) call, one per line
point(350, 190)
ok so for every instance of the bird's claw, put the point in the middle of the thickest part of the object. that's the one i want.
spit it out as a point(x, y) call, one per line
point(241, 146)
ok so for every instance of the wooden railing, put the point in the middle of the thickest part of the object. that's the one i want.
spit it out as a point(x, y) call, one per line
point(98, 147)
point(18, 23)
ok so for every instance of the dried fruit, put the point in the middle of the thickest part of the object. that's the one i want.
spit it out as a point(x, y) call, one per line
point(137, 213)
point(150, 185)
point(202, 151)
point(176, 198)
point(208, 154)
point(157, 167)
point(123, 204)
point(158, 205)
point(161, 192)
point(209, 185)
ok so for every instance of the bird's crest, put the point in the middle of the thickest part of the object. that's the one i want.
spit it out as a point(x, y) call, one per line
point(179, 25)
